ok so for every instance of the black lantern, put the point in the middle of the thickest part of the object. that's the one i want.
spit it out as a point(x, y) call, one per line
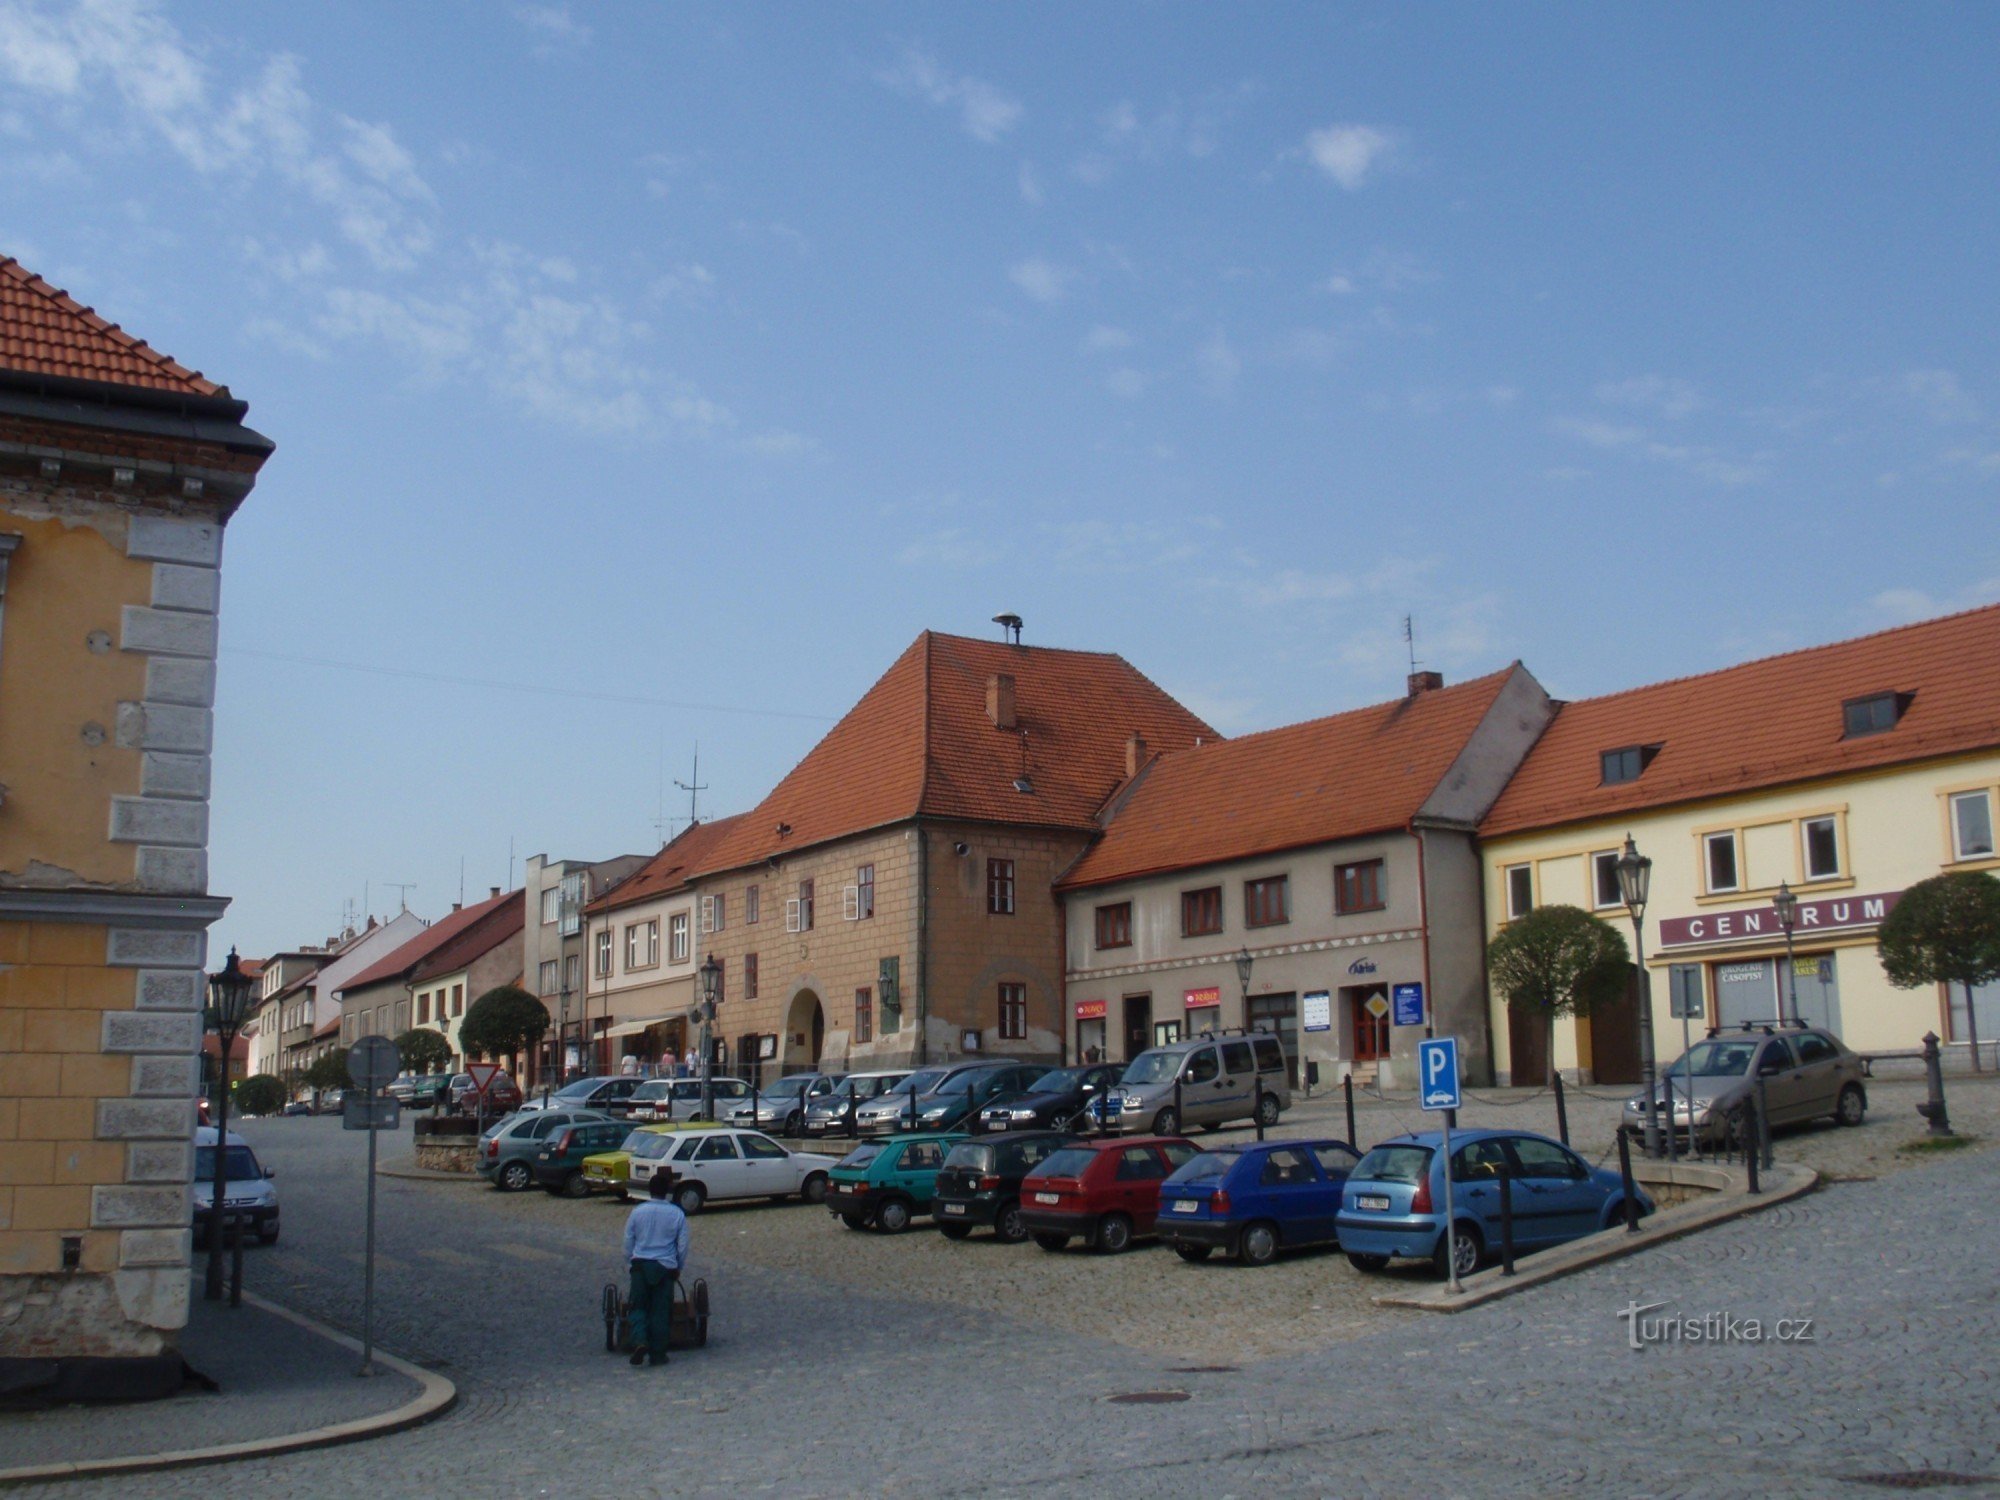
point(1635, 878)
point(710, 979)
point(229, 1006)
point(1787, 907)
point(708, 985)
point(1243, 963)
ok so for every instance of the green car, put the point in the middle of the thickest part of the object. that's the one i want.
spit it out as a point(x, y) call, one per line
point(888, 1182)
point(429, 1091)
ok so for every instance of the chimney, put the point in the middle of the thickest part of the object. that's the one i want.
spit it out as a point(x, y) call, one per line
point(1425, 682)
point(458, 906)
point(494, 891)
point(1135, 754)
point(1000, 700)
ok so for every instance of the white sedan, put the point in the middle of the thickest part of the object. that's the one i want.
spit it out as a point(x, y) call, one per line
point(718, 1164)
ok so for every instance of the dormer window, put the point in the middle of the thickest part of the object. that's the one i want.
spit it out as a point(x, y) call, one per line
point(1625, 763)
point(1875, 714)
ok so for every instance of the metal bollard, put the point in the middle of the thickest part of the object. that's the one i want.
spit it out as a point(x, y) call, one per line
point(1257, 1104)
point(1180, 1120)
point(1763, 1142)
point(1933, 1108)
point(1751, 1155)
point(1631, 1187)
point(1562, 1112)
point(1347, 1087)
point(1506, 1223)
point(756, 1101)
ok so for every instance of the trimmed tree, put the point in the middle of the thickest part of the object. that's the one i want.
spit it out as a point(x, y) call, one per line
point(1559, 961)
point(504, 1022)
point(423, 1051)
point(328, 1071)
point(1945, 930)
point(260, 1094)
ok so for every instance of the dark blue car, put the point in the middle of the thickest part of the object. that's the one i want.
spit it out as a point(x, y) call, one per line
point(1253, 1200)
point(1393, 1201)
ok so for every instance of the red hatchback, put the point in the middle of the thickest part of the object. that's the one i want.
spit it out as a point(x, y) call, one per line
point(1106, 1192)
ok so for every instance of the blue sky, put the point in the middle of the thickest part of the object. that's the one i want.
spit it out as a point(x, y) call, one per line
point(647, 375)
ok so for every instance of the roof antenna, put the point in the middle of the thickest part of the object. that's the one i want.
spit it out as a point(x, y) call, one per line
point(402, 888)
point(1410, 639)
point(1010, 628)
point(694, 787)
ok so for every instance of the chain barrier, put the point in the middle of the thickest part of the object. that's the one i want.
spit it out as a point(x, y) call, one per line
point(1508, 1103)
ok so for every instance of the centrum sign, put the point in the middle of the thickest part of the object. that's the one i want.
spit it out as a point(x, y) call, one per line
point(1760, 923)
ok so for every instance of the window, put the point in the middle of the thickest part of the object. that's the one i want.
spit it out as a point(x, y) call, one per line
point(1140, 1164)
point(864, 892)
point(1719, 856)
point(548, 976)
point(711, 913)
point(1203, 1066)
point(801, 909)
point(1520, 890)
point(749, 904)
point(1201, 911)
point(1237, 1060)
point(642, 944)
point(749, 976)
point(1358, 887)
point(1821, 838)
point(458, 1000)
point(1875, 714)
point(762, 1148)
point(603, 964)
point(864, 1015)
point(1013, 1012)
point(423, 1009)
point(717, 1148)
point(551, 905)
point(677, 937)
point(1545, 1159)
point(569, 906)
point(572, 972)
point(1114, 925)
point(1627, 763)
point(1000, 887)
point(1971, 825)
point(1604, 887)
point(1267, 902)
point(1814, 1048)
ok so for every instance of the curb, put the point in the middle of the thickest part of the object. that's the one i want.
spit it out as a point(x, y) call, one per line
point(1782, 1184)
point(435, 1397)
point(421, 1174)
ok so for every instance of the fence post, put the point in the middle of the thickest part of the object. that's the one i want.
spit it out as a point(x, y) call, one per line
point(1347, 1088)
point(1562, 1111)
point(1763, 1141)
point(1933, 1108)
point(1751, 1155)
point(1506, 1223)
point(1631, 1187)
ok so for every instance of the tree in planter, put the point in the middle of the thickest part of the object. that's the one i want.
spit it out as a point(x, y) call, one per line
point(423, 1051)
point(260, 1094)
point(1559, 961)
point(328, 1071)
point(503, 1022)
point(1945, 930)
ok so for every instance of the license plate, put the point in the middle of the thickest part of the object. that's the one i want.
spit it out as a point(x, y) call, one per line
point(1185, 1205)
point(1048, 1197)
point(1373, 1202)
point(954, 1208)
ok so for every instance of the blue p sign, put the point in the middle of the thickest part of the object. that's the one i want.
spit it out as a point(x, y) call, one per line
point(1437, 1073)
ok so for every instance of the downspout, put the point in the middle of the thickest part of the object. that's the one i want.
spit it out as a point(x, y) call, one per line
point(923, 945)
point(1424, 927)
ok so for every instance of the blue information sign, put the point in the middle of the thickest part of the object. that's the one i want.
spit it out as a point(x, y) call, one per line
point(1437, 1073)
point(1409, 1002)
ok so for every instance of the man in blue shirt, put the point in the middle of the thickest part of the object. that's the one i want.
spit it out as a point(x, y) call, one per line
point(656, 1245)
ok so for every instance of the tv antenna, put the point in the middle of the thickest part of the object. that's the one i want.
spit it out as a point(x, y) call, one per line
point(693, 787)
point(1010, 628)
point(1410, 640)
point(402, 888)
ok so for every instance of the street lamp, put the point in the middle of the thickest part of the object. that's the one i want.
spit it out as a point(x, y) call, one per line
point(229, 1004)
point(1243, 963)
point(1788, 912)
point(709, 979)
point(1635, 879)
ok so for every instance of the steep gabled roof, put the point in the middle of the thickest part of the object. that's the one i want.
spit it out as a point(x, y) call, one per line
point(920, 743)
point(399, 963)
point(45, 331)
point(670, 869)
point(1765, 723)
point(505, 916)
point(1365, 771)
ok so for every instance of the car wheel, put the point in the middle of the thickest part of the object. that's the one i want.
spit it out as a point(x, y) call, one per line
point(853, 1221)
point(1852, 1106)
point(813, 1190)
point(573, 1186)
point(1257, 1245)
point(1211, 1127)
point(1361, 1262)
point(793, 1123)
point(1114, 1234)
point(267, 1236)
point(1465, 1250)
point(955, 1231)
point(690, 1196)
point(1267, 1110)
point(1052, 1242)
point(614, 1317)
point(622, 1195)
point(515, 1176)
point(1166, 1122)
point(1194, 1253)
point(1007, 1225)
point(893, 1216)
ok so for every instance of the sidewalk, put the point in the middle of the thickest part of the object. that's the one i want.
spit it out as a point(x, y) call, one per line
point(285, 1383)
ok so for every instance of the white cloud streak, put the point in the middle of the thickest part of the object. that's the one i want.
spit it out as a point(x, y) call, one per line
point(984, 111)
point(1349, 154)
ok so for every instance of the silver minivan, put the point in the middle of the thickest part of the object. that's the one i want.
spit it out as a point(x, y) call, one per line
point(1221, 1078)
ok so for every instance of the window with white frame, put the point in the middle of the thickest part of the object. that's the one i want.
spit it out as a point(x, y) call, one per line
point(602, 965)
point(572, 973)
point(569, 904)
point(551, 905)
point(642, 944)
point(677, 937)
point(1719, 862)
point(1819, 841)
point(1520, 890)
point(547, 976)
point(1604, 887)
point(749, 905)
point(1972, 825)
point(708, 913)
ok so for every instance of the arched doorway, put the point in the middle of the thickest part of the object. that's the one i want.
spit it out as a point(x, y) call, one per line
point(805, 1032)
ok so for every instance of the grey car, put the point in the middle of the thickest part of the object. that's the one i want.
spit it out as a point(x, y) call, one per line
point(507, 1150)
point(1807, 1072)
point(828, 1114)
point(1219, 1079)
point(781, 1106)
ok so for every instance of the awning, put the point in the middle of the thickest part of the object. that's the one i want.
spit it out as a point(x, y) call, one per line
point(633, 1028)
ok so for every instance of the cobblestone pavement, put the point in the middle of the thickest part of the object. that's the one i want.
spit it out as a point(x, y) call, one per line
point(845, 1372)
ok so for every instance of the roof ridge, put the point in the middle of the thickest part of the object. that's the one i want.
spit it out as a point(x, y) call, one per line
point(131, 343)
point(1253, 736)
point(977, 640)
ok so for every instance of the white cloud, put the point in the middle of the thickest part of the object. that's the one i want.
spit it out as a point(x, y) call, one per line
point(1660, 394)
point(1899, 606)
point(1031, 186)
point(1104, 337)
point(1220, 364)
point(553, 26)
point(689, 283)
point(1042, 280)
point(984, 111)
point(1941, 394)
point(1711, 464)
point(1349, 154)
point(951, 548)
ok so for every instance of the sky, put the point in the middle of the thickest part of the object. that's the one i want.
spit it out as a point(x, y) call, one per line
point(646, 378)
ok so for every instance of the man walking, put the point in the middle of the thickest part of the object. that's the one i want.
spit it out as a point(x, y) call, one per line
point(656, 1247)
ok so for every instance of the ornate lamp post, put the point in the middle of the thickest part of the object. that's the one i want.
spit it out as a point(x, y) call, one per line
point(1243, 964)
point(709, 980)
point(1788, 912)
point(1635, 880)
point(229, 1005)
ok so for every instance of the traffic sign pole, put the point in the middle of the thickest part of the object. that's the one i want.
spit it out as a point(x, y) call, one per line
point(1438, 1089)
point(371, 1062)
point(1450, 1217)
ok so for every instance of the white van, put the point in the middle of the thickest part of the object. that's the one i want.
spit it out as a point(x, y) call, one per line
point(249, 1190)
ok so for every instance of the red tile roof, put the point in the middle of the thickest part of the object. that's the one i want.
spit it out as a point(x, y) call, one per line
point(1765, 723)
point(505, 916)
point(1355, 773)
point(45, 331)
point(670, 869)
point(920, 742)
point(398, 964)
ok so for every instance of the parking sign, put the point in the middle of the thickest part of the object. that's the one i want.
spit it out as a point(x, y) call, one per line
point(1437, 1073)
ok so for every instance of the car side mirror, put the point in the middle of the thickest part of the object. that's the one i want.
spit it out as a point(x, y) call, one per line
point(270, 1172)
point(1770, 1067)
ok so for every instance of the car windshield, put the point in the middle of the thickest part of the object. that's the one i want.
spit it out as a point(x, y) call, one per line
point(649, 1146)
point(971, 1155)
point(918, 1083)
point(1056, 1081)
point(790, 1085)
point(861, 1155)
point(1716, 1059)
point(242, 1165)
point(583, 1088)
point(1206, 1167)
point(658, 1088)
point(1152, 1067)
point(1394, 1164)
point(1071, 1161)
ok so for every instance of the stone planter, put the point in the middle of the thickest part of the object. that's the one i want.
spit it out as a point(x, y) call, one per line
point(448, 1154)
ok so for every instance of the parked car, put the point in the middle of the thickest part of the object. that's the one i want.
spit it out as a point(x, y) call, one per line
point(782, 1106)
point(560, 1155)
point(1054, 1101)
point(429, 1090)
point(828, 1114)
point(1807, 1072)
point(331, 1102)
point(247, 1188)
point(1104, 1192)
point(1253, 1200)
point(890, 1109)
point(680, 1098)
point(507, 1149)
point(956, 1100)
point(611, 1171)
point(1221, 1079)
point(1393, 1204)
point(716, 1163)
point(503, 1095)
point(888, 1183)
point(400, 1086)
point(979, 1186)
point(299, 1107)
point(599, 1092)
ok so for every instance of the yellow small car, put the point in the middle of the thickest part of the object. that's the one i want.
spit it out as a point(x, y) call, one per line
point(611, 1171)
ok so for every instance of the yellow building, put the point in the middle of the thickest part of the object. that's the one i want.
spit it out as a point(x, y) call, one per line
point(1845, 773)
point(118, 471)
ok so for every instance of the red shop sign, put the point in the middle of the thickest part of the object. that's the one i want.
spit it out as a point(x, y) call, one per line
point(1090, 1010)
point(1196, 999)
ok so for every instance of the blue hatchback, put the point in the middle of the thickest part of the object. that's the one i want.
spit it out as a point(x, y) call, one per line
point(1253, 1200)
point(1393, 1202)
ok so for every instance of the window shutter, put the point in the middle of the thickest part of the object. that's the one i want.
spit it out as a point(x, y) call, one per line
point(850, 902)
point(792, 915)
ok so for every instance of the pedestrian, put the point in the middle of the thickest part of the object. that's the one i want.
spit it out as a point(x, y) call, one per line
point(693, 1061)
point(656, 1247)
point(1090, 1054)
point(630, 1066)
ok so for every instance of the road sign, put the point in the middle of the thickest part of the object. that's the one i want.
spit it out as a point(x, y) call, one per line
point(1437, 1073)
point(1409, 1003)
point(359, 1111)
point(482, 1075)
point(1376, 1006)
point(372, 1063)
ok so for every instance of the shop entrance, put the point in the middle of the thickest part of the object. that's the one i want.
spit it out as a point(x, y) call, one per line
point(1279, 1015)
point(1138, 1025)
point(1368, 1006)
